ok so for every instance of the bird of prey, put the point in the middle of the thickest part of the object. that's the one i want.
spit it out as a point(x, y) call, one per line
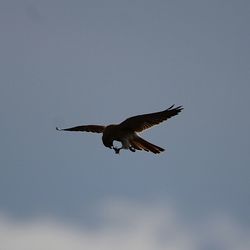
point(126, 131)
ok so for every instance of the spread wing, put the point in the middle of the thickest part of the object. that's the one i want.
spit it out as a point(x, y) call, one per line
point(141, 122)
point(85, 128)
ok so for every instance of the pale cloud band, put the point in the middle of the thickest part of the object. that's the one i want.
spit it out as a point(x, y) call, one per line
point(127, 225)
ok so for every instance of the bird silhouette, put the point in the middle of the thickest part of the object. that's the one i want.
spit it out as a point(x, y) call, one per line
point(126, 131)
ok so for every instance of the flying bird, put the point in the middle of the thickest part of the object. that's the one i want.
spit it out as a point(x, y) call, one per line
point(126, 131)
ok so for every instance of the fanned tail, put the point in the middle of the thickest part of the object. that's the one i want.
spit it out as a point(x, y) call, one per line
point(139, 144)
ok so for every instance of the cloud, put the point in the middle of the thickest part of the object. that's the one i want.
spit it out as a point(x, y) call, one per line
point(126, 225)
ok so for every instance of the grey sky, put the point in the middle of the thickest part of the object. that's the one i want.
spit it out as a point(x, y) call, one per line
point(68, 63)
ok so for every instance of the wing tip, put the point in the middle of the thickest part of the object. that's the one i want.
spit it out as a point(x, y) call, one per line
point(178, 108)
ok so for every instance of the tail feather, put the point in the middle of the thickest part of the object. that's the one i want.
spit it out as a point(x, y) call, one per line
point(147, 146)
point(135, 145)
point(141, 146)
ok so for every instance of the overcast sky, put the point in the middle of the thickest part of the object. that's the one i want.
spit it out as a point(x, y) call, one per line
point(67, 63)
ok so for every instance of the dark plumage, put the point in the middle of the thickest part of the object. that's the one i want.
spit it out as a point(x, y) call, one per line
point(126, 131)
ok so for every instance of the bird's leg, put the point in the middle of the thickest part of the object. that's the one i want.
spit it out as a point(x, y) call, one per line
point(117, 150)
point(131, 149)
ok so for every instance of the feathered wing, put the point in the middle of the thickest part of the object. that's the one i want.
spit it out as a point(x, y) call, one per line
point(85, 128)
point(141, 122)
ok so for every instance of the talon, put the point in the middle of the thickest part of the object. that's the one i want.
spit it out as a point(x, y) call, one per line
point(132, 149)
point(117, 150)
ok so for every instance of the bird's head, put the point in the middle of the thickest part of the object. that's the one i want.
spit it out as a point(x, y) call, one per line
point(107, 136)
point(108, 142)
